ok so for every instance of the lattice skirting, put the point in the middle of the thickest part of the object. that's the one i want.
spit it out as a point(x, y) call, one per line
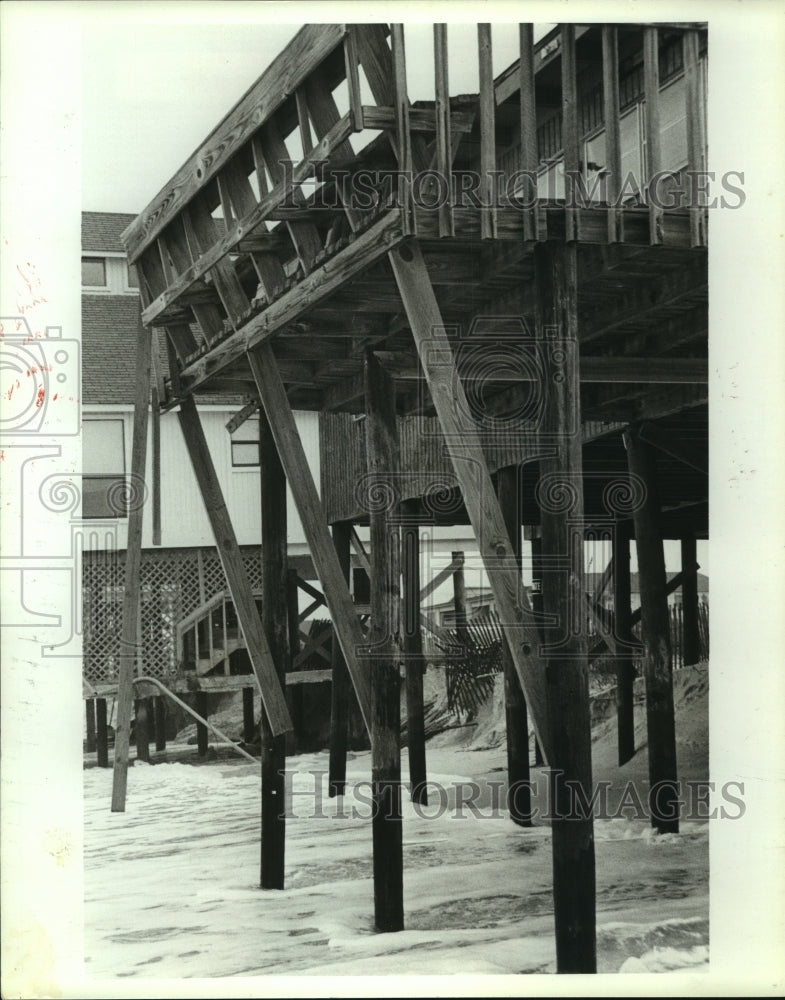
point(173, 583)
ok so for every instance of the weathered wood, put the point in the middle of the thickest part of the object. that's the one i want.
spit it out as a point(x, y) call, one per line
point(402, 129)
point(414, 661)
point(561, 528)
point(696, 132)
point(440, 577)
point(159, 709)
point(249, 716)
point(382, 457)
point(310, 46)
point(488, 219)
point(202, 707)
point(101, 733)
point(444, 150)
point(537, 610)
point(89, 707)
point(651, 91)
point(341, 691)
point(528, 127)
point(459, 597)
point(309, 507)
point(263, 665)
point(610, 96)
point(202, 232)
point(658, 667)
point(353, 76)
point(465, 449)
point(155, 405)
point(689, 600)
point(420, 120)
point(276, 627)
point(142, 713)
point(570, 131)
point(129, 641)
point(517, 722)
point(625, 671)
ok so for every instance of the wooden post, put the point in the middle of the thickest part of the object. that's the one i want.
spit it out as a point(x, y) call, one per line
point(249, 718)
point(570, 128)
point(537, 608)
point(202, 732)
point(382, 455)
point(528, 124)
point(414, 662)
point(341, 690)
point(294, 693)
point(160, 722)
point(89, 707)
point(263, 665)
point(464, 446)
point(276, 627)
point(142, 713)
point(488, 196)
point(561, 525)
point(689, 598)
point(101, 733)
point(610, 94)
point(459, 597)
point(658, 668)
point(518, 770)
point(622, 616)
point(133, 558)
point(651, 90)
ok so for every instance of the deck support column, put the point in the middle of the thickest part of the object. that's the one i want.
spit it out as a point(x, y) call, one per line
point(622, 617)
point(414, 662)
point(89, 707)
point(101, 733)
point(536, 550)
point(655, 618)
point(275, 620)
point(689, 600)
point(459, 597)
point(382, 456)
point(560, 494)
point(249, 716)
point(129, 640)
point(142, 729)
point(517, 722)
point(341, 690)
point(159, 705)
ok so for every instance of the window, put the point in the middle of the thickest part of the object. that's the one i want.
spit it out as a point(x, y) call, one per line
point(94, 272)
point(104, 492)
point(131, 278)
point(245, 444)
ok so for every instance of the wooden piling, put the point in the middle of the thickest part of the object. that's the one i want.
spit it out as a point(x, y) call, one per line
point(382, 455)
point(459, 597)
point(142, 729)
point(159, 705)
point(689, 599)
point(341, 691)
point(275, 620)
point(101, 733)
point(561, 523)
point(414, 662)
point(249, 719)
point(89, 707)
point(622, 617)
point(516, 716)
point(537, 608)
point(202, 732)
point(658, 667)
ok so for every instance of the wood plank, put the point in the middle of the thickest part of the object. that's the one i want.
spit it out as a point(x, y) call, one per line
point(201, 228)
point(287, 439)
point(402, 129)
point(351, 61)
point(310, 46)
point(610, 97)
point(570, 132)
point(530, 158)
point(341, 691)
point(696, 129)
point(689, 599)
point(516, 716)
point(414, 661)
point(487, 192)
point(444, 151)
point(651, 91)
point(130, 648)
point(262, 662)
point(574, 890)
point(155, 465)
point(459, 598)
point(465, 449)
point(276, 627)
point(382, 449)
point(420, 120)
point(625, 670)
point(658, 667)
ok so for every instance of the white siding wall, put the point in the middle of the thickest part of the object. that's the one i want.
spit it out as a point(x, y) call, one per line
point(183, 520)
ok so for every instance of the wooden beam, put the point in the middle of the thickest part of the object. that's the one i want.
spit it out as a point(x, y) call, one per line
point(696, 130)
point(487, 192)
point(459, 597)
point(414, 661)
point(310, 47)
point(678, 446)
point(130, 639)
point(353, 77)
point(341, 690)
point(528, 126)
point(402, 129)
point(658, 668)
point(381, 443)
point(610, 95)
point(465, 449)
point(516, 716)
point(160, 722)
point(651, 90)
point(287, 440)
point(625, 670)
point(228, 550)
point(689, 599)
point(157, 396)
point(276, 627)
point(249, 716)
point(561, 530)
point(570, 131)
point(444, 151)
